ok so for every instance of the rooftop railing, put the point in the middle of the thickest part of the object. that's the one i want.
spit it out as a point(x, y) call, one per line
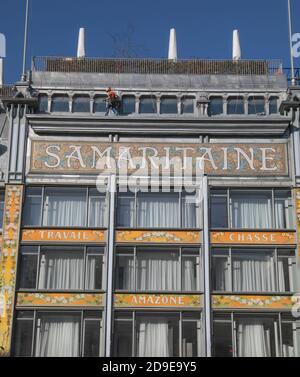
point(7, 91)
point(157, 66)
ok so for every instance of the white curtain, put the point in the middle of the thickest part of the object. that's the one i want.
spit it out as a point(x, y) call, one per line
point(158, 211)
point(254, 273)
point(222, 276)
point(253, 339)
point(92, 268)
point(126, 211)
point(125, 277)
point(154, 339)
point(61, 270)
point(255, 212)
point(97, 211)
point(285, 274)
point(65, 208)
point(159, 271)
point(190, 278)
point(190, 212)
point(58, 336)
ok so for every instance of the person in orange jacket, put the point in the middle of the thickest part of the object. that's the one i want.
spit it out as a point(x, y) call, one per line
point(112, 102)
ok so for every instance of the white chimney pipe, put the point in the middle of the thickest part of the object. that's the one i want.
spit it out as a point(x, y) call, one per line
point(236, 47)
point(172, 45)
point(81, 43)
point(2, 56)
point(1, 72)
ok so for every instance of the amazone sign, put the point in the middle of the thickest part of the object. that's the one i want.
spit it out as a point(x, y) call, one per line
point(245, 159)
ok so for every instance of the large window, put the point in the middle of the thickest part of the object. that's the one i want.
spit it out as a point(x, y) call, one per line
point(60, 103)
point(235, 105)
point(256, 105)
point(2, 199)
point(168, 105)
point(65, 268)
point(128, 105)
point(158, 334)
point(253, 270)
point(273, 105)
point(244, 209)
point(148, 105)
point(158, 269)
point(43, 103)
point(81, 104)
point(254, 335)
point(64, 207)
point(158, 210)
point(215, 106)
point(58, 334)
point(187, 105)
point(99, 104)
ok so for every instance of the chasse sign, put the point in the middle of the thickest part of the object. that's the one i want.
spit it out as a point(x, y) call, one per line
point(248, 159)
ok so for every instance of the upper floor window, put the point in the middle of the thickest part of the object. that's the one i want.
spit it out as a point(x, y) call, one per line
point(64, 207)
point(128, 105)
point(261, 209)
point(58, 334)
point(148, 105)
point(235, 105)
point(43, 103)
point(2, 200)
point(253, 270)
point(215, 106)
point(67, 268)
point(256, 105)
point(81, 104)
point(99, 104)
point(168, 105)
point(273, 105)
point(158, 210)
point(60, 103)
point(187, 105)
point(159, 269)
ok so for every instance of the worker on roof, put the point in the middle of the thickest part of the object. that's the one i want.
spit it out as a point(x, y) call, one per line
point(112, 102)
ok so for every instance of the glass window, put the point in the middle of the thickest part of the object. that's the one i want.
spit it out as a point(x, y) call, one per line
point(219, 216)
point(97, 209)
point(123, 331)
point(273, 105)
point(128, 105)
point(32, 208)
point(92, 331)
point(235, 105)
point(215, 106)
point(168, 105)
point(222, 334)
point(221, 280)
point(43, 103)
point(99, 104)
point(60, 103)
point(125, 270)
point(2, 200)
point(28, 267)
point(81, 104)
point(256, 105)
point(187, 105)
point(148, 105)
point(24, 334)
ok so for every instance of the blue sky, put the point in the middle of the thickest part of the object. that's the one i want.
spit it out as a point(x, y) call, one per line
point(204, 28)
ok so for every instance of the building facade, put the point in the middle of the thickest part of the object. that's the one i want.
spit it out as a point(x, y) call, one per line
point(171, 229)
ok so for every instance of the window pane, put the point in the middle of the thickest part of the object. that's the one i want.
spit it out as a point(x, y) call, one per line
point(220, 273)
point(286, 273)
point(126, 211)
point(190, 211)
point(2, 196)
point(148, 105)
point(283, 209)
point(157, 336)
point(24, 334)
point(190, 337)
point(33, 207)
point(235, 105)
point(97, 209)
point(128, 105)
point(250, 210)
point(216, 106)
point(28, 267)
point(58, 335)
point(94, 270)
point(61, 269)
point(190, 273)
point(43, 103)
point(168, 105)
point(123, 339)
point(125, 273)
point(81, 104)
point(158, 271)
point(187, 105)
point(158, 210)
point(60, 104)
point(219, 212)
point(273, 105)
point(92, 330)
point(288, 346)
point(99, 104)
point(223, 346)
point(65, 207)
point(256, 105)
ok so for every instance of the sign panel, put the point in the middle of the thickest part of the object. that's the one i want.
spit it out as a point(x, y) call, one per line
point(157, 301)
point(61, 235)
point(253, 238)
point(150, 236)
point(230, 159)
point(253, 302)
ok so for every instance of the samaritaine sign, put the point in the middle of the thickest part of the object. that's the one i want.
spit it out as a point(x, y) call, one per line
point(242, 159)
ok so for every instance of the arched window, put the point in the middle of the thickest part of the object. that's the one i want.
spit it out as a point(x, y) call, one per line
point(148, 105)
point(215, 106)
point(60, 103)
point(168, 105)
point(99, 104)
point(256, 105)
point(235, 105)
point(128, 105)
point(43, 103)
point(81, 104)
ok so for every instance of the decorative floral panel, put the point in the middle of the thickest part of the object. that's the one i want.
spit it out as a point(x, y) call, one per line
point(256, 238)
point(152, 236)
point(157, 301)
point(253, 302)
point(63, 235)
point(59, 299)
point(8, 262)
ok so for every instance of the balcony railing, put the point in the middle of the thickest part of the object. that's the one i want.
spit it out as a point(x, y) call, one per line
point(7, 91)
point(157, 66)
